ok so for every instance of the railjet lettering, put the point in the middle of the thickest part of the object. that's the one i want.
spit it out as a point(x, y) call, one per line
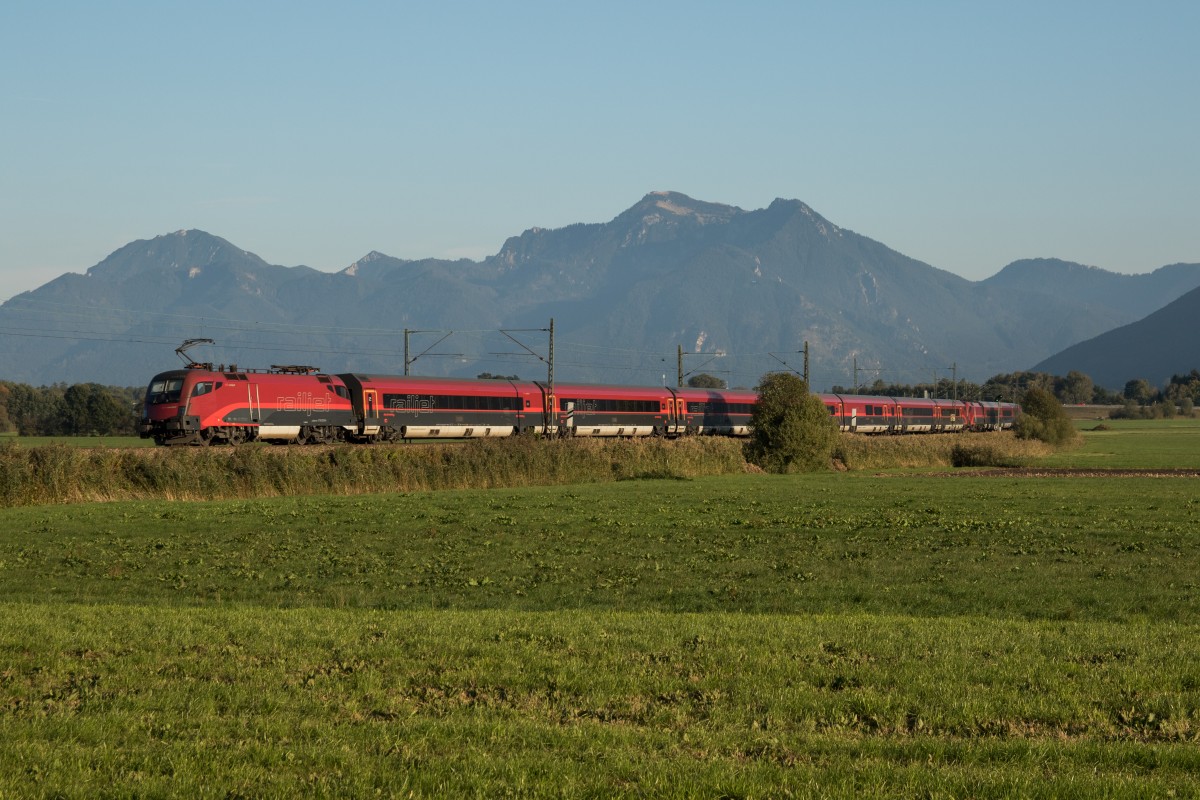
point(410, 401)
point(303, 401)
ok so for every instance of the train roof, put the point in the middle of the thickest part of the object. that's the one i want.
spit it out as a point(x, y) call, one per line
point(504, 384)
point(599, 389)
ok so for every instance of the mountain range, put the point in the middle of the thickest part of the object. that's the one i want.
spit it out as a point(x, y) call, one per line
point(739, 292)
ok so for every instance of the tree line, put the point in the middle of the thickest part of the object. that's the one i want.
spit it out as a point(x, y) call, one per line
point(1138, 398)
point(81, 409)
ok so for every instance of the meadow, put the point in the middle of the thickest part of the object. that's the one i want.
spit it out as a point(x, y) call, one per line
point(901, 632)
point(74, 441)
point(1133, 444)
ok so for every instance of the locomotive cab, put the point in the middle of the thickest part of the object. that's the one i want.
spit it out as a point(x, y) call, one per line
point(165, 415)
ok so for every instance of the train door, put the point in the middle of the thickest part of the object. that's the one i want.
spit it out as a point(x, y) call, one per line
point(674, 422)
point(370, 411)
point(549, 412)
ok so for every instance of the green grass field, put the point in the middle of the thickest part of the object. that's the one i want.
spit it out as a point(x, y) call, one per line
point(831, 635)
point(1134, 444)
point(76, 441)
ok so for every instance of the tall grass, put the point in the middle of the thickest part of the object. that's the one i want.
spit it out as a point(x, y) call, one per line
point(857, 452)
point(61, 474)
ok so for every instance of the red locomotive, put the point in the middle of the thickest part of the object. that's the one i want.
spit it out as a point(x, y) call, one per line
point(203, 405)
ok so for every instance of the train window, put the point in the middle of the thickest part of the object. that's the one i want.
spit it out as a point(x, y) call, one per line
point(202, 388)
point(165, 391)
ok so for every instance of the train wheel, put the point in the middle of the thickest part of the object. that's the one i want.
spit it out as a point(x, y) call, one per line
point(235, 436)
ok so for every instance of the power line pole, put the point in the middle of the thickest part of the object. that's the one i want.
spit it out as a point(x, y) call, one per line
point(550, 367)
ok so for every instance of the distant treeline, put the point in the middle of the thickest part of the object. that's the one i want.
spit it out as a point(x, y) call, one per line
point(1180, 394)
point(82, 409)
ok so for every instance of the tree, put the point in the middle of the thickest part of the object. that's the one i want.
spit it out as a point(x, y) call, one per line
point(36, 412)
point(790, 429)
point(90, 409)
point(1138, 390)
point(705, 381)
point(59, 410)
point(5, 423)
point(1042, 417)
point(1075, 389)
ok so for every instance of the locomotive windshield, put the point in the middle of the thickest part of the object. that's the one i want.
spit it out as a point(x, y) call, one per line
point(164, 390)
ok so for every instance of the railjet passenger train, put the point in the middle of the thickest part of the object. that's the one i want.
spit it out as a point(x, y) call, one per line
point(202, 405)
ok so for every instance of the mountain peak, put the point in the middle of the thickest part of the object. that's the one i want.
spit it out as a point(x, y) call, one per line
point(188, 250)
point(1043, 266)
point(371, 264)
point(664, 205)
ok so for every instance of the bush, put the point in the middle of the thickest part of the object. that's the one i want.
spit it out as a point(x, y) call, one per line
point(1043, 418)
point(791, 430)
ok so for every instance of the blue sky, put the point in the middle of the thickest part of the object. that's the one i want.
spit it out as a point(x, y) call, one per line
point(966, 135)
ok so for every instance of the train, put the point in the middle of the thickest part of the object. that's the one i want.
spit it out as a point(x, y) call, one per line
point(203, 404)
